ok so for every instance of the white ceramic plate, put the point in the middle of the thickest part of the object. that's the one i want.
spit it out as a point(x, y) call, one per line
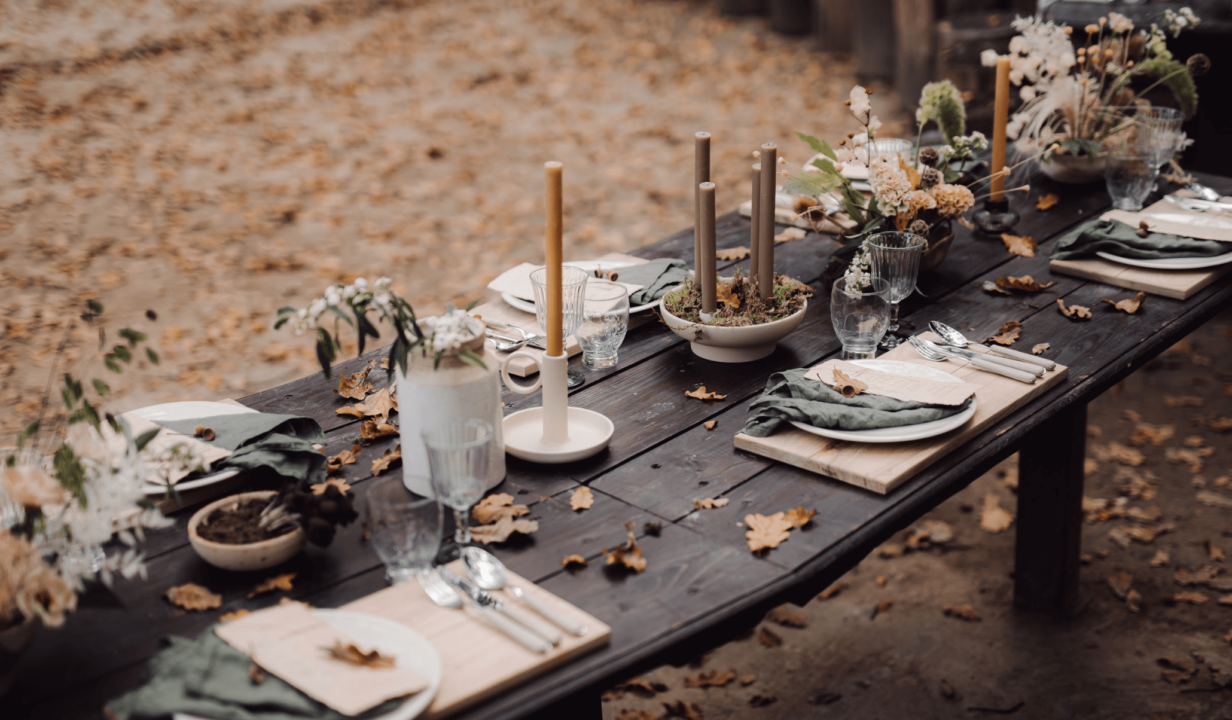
point(902, 433)
point(409, 648)
point(189, 410)
point(1192, 263)
point(589, 266)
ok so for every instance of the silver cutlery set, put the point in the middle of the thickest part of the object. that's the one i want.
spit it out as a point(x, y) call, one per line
point(1011, 363)
point(484, 572)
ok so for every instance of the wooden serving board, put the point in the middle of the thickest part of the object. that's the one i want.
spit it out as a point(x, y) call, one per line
point(527, 361)
point(882, 467)
point(1178, 284)
point(477, 660)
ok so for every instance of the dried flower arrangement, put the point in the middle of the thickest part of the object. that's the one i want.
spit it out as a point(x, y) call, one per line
point(1076, 101)
point(450, 334)
point(74, 481)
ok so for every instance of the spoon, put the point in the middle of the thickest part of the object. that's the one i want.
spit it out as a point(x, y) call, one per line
point(1202, 191)
point(508, 345)
point(490, 574)
point(957, 339)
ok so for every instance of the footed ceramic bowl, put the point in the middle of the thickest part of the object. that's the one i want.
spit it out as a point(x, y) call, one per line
point(253, 556)
point(733, 344)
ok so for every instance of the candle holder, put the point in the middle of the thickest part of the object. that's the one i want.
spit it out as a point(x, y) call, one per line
point(996, 217)
point(554, 433)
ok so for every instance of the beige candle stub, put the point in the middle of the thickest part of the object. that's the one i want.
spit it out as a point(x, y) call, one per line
point(554, 236)
point(875, 382)
point(1000, 119)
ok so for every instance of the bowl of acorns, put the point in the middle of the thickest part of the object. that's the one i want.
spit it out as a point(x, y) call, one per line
point(259, 530)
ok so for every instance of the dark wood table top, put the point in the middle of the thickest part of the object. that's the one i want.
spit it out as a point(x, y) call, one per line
point(702, 585)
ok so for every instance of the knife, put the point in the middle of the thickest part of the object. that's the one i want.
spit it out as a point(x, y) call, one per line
point(1005, 362)
point(521, 620)
point(1198, 203)
point(542, 608)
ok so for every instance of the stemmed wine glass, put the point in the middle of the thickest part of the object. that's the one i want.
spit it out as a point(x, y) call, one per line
point(1159, 133)
point(895, 258)
point(458, 453)
point(573, 305)
point(406, 528)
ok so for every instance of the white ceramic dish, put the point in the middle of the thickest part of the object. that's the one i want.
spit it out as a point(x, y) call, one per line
point(1194, 263)
point(902, 433)
point(409, 648)
point(528, 304)
point(189, 410)
point(732, 344)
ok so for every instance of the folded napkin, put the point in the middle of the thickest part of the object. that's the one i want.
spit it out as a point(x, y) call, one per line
point(789, 396)
point(1117, 238)
point(280, 444)
point(656, 278)
point(208, 678)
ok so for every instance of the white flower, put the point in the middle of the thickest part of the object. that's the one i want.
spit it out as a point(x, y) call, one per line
point(988, 58)
point(861, 108)
point(891, 186)
point(1118, 23)
point(361, 283)
point(1018, 44)
point(1027, 93)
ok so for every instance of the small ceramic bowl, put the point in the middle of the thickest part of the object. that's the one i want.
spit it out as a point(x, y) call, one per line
point(253, 556)
point(733, 344)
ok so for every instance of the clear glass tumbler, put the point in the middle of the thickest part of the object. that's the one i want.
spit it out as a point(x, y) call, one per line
point(860, 316)
point(895, 258)
point(1129, 175)
point(605, 320)
point(458, 453)
point(573, 296)
point(1159, 133)
point(406, 528)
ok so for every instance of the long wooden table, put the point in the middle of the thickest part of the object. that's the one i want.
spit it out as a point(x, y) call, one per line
point(702, 586)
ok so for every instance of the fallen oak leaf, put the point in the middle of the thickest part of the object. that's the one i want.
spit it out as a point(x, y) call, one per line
point(710, 503)
point(1045, 202)
point(343, 486)
point(882, 607)
point(1074, 312)
point(234, 615)
point(994, 518)
point(725, 294)
point(346, 457)
point(1128, 305)
point(787, 618)
point(629, 554)
point(354, 387)
point(736, 253)
point(1189, 596)
point(500, 530)
point(711, 678)
point(1120, 583)
point(709, 424)
point(769, 638)
point(702, 394)
point(962, 612)
point(747, 680)
point(1022, 246)
point(1009, 332)
point(1024, 283)
point(375, 428)
point(1214, 553)
point(1180, 401)
point(800, 517)
point(191, 596)
point(351, 653)
point(791, 233)
point(573, 561)
point(389, 457)
point(494, 507)
point(847, 386)
point(991, 287)
point(679, 709)
point(831, 591)
point(278, 582)
point(1040, 349)
point(379, 404)
point(767, 532)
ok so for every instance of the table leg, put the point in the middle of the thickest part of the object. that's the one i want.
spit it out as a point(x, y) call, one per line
point(1049, 542)
point(581, 706)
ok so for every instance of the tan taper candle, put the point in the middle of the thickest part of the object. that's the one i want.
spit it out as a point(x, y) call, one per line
point(707, 272)
point(754, 221)
point(765, 226)
point(1000, 118)
point(701, 174)
point(553, 208)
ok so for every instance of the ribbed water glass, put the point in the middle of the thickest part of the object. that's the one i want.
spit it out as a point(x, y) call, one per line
point(895, 258)
point(406, 528)
point(605, 320)
point(1129, 175)
point(860, 316)
point(573, 298)
point(1159, 133)
point(458, 452)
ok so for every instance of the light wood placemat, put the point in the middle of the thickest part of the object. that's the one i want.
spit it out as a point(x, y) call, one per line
point(477, 660)
point(1178, 284)
point(882, 467)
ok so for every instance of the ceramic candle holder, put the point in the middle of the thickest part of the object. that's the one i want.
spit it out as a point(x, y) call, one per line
point(554, 433)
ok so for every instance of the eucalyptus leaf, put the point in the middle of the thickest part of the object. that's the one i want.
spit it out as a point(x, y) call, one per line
point(100, 387)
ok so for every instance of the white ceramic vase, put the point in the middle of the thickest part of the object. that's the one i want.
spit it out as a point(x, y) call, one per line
point(454, 390)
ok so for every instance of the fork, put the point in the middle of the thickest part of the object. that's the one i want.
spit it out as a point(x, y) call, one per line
point(933, 352)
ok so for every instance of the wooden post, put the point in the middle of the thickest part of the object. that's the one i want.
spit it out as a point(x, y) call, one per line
point(914, 25)
point(832, 20)
point(1050, 479)
point(873, 40)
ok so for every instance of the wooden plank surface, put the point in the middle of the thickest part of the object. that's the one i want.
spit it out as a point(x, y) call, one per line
point(1178, 284)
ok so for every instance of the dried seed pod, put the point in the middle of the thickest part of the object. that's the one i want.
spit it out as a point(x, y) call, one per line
point(1143, 229)
point(198, 430)
point(612, 275)
point(207, 434)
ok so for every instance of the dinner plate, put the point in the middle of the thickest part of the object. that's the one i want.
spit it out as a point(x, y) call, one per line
point(407, 647)
point(589, 266)
point(1191, 263)
point(189, 410)
point(902, 433)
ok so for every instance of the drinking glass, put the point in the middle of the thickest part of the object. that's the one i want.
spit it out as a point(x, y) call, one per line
point(1159, 133)
point(1129, 174)
point(860, 316)
point(406, 528)
point(895, 258)
point(573, 294)
point(605, 320)
point(458, 458)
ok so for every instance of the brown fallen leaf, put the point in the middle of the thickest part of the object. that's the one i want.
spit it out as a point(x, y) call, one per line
point(929, 532)
point(847, 386)
point(1120, 583)
point(1194, 458)
point(736, 253)
point(1023, 246)
point(581, 499)
point(1133, 601)
point(1129, 305)
point(725, 294)
point(1045, 202)
point(947, 691)
point(1214, 553)
point(573, 561)
point(881, 580)
point(769, 638)
point(1154, 434)
point(962, 612)
point(278, 582)
point(1190, 596)
point(379, 404)
point(767, 532)
point(787, 618)
point(1144, 515)
point(1194, 441)
point(758, 701)
point(994, 518)
point(800, 517)
point(494, 507)
point(1201, 576)
point(234, 615)
point(637, 686)
point(710, 424)
point(702, 394)
point(1040, 349)
point(1160, 559)
point(1118, 453)
point(629, 555)
point(500, 530)
point(890, 550)
point(1180, 401)
point(389, 457)
point(831, 591)
point(1225, 600)
point(710, 503)
point(376, 428)
point(991, 287)
point(882, 607)
point(1073, 312)
point(1214, 499)
point(680, 709)
point(191, 596)
point(747, 680)
point(343, 486)
point(791, 233)
point(1175, 677)
point(255, 674)
point(346, 457)
point(1024, 283)
point(710, 678)
point(350, 652)
point(354, 387)
point(1008, 333)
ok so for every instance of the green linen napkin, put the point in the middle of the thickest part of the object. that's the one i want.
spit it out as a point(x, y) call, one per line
point(1117, 238)
point(277, 443)
point(656, 278)
point(789, 396)
point(209, 678)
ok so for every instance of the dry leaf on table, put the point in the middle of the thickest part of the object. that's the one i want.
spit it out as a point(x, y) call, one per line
point(787, 618)
point(495, 507)
point(724, 294)
point(379, 404)
point(769, 638)
point(710, 503)
point(1120, 582)
point(581, 499)
point(1179, 401)
point(710, 678)
point(500, 530)
point(962, 612)
point(191, 596)
point(354, 387)
point(235, 615)
point(800, 517)
point(383, 463)
point(278, 582)
point(255, 674)
point(571, 561)
point(1023, 246)
point(791, 233)
point(629, 554)
point(767, 532)
point(1160, 559)
point(847, 386)
point(1040, 349)
point(1073, 312)
point(349, 652)
point(747, 680)
point(736, 253)
point(346, 457)
point(1201, 576)
point(994, 518)
point(1154, 434)
point(709, 424)
point(343, 486)
point(1044, 202)
point(376, 428)
point(1129, 305)
point(991, 287)
point(1190, 596)
point(1009, 332)
point(1214, 553)
point(831, 591)
point(1024, 283)
point(883, 606)
point(702, 394)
